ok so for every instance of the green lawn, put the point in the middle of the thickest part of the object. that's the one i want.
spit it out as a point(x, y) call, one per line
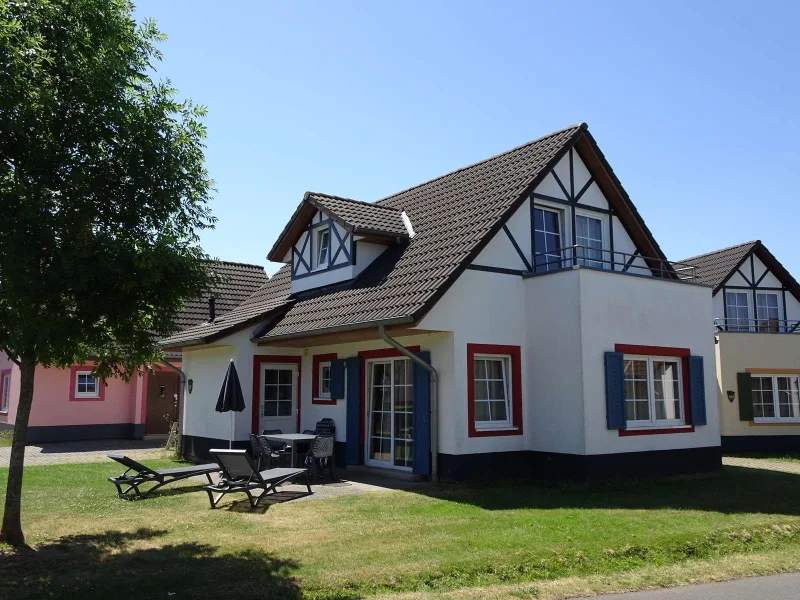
point(5, 438)
point(88, 543)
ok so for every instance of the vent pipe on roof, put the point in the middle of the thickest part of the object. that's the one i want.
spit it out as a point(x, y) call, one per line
point(407, 223)
point(212, 309)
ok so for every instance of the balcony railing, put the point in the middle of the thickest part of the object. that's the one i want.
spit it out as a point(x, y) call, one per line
point(620, 262)
point(757, 325)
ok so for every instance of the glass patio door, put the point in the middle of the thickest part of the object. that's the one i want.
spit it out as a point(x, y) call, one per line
point(390, 416)
point(278, 398)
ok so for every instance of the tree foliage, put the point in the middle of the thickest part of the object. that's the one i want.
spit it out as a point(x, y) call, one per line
point(103, 188)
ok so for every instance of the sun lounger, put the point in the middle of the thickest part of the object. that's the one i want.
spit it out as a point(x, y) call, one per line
point(240, 474)
point(139, 474)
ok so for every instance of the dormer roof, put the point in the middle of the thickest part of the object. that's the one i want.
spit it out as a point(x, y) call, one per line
point(371, 221)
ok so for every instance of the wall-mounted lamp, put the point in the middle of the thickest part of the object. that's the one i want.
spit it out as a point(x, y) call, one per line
point(190, 385)
point(731, 395)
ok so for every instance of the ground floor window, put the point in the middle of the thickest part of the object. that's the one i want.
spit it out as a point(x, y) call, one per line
point(390, 414)
point(5, 391)
point(776, 397)
point(492, 376)
point(653, 391)
point(86, 385)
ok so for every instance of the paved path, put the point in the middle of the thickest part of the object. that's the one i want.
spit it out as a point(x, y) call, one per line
point(784, 466)
point(84, 452)
point(771, 587)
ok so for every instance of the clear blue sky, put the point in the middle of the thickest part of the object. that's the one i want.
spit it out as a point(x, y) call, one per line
point(695, 104)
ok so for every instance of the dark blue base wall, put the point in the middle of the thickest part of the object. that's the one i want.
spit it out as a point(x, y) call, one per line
point(71, 433)
point(546, 466)
point(761, 443)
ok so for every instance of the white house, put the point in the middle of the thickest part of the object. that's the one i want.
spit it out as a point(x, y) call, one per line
point(757, 321)
point(511, 318)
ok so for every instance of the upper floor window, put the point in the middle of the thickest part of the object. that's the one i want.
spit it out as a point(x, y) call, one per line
point(737, 310)
point(776, 397)
point(547, 239)
point(5, 391)
point(767, 311)
point(589, 238)
point(653, 391)
point(86, 385)
point(322, 239)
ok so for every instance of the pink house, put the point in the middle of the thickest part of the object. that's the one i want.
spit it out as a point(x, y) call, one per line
point(71, 404)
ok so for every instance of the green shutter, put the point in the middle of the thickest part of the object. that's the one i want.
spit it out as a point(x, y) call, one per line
point(745, 382)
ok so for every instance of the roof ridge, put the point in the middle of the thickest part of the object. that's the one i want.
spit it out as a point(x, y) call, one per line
point(750, 243)
point(342, 198)
point(581, 125)
point(233, 262)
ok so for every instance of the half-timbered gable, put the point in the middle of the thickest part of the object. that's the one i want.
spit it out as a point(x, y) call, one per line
point(753, 291)
point(566, 221)
point(334, 239)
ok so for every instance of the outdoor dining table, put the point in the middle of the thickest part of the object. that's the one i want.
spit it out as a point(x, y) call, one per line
point(291, 439)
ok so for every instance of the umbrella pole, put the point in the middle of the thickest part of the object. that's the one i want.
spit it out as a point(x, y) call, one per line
point(230, 438)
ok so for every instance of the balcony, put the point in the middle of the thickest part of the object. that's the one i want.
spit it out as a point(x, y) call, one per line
point(756, 325)
point(606, 260)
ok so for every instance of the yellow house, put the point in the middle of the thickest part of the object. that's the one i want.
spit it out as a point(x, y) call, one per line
point(757, 313)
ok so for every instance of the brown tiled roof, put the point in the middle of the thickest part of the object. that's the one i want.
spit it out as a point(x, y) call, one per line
point(238, 283)
point(361, 217)
point(714, 267)
point(453, 216)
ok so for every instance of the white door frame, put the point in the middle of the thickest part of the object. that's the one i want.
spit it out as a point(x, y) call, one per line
point(368, 407)
point(286, 423)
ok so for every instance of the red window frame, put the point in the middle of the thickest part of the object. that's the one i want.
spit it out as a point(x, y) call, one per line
point(670, 352)
point(259, 360)
point(363, 357)
point(516, 388)
point(315, 395)
point(73, 377)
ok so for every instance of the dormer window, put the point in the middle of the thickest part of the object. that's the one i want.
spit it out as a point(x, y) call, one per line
point(322, 238)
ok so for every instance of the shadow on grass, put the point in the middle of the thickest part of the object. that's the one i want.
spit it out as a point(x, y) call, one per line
point(126, 565)
point(729, 491)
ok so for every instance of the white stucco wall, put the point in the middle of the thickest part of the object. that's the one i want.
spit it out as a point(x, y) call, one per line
point(618, 309)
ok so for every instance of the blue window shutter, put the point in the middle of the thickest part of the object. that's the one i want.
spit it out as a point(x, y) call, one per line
point(615, 390)
point(697, 390)
point(745, 387)
point(353, 444)
point(422, 417)
point(337, 379)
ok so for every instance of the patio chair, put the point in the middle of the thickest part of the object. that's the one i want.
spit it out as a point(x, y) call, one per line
point(262, 454)
point(241, 475)
point(279, 453)
point(321, 454)
point(326, 427)
point(138, 474)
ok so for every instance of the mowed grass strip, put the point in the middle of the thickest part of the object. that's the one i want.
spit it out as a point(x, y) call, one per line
point(86, 542)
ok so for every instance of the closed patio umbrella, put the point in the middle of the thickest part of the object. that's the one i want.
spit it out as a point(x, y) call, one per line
point(230, 396)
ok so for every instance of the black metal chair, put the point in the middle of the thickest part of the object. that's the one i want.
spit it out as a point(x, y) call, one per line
point(326, 427)
point(320, 455)
point(279, 452)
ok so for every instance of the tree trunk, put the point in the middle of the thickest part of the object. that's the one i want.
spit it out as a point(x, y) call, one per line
point(11, 532)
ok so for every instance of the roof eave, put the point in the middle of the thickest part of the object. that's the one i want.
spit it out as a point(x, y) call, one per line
point(266, 340)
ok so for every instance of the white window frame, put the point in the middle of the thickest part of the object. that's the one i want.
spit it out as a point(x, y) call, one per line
point(775, 399)
point(390, 464)
point(564, 234)
point(604, 245)
point(508, 424)
point(653, 422)
point(317, 233)
point(766, 320)
point(320, 393)
point(738, 327)
point(95, 393)
point(5, 392)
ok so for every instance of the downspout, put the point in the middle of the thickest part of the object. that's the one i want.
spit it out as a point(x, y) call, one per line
point(182, 405)
point(434, 397)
